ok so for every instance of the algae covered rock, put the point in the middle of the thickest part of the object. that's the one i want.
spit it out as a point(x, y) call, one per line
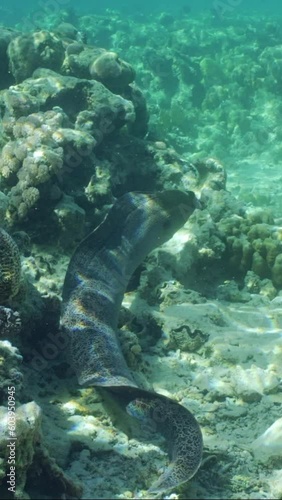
point(67, 30)
point(107, 67)
point(6, 36)
point(112, 71)
point(139, 126)
point(78, 59)
point(30, 51)
point(71, 219)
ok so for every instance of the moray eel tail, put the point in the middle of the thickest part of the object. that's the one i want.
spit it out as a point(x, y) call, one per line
point(95, 283)
point(183, 435)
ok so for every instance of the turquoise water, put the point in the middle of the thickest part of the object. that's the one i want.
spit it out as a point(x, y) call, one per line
point(273, 5)
point(12, 10)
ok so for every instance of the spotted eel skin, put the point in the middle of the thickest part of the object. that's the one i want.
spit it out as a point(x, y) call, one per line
point(95, 282)
point(10, 267)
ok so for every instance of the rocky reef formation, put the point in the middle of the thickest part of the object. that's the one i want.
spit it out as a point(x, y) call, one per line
point(53, 123)
point(47, 147)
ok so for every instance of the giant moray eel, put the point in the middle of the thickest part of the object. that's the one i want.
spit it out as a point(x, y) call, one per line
point(95, 283)
point(10, 267)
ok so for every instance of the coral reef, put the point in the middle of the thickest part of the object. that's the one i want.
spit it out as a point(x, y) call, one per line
point(48, 149)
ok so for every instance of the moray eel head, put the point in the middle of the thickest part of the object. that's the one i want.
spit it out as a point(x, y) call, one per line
point(177, 207)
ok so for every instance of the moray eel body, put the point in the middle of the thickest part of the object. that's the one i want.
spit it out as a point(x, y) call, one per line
point(95, 282)
point(10, 267)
